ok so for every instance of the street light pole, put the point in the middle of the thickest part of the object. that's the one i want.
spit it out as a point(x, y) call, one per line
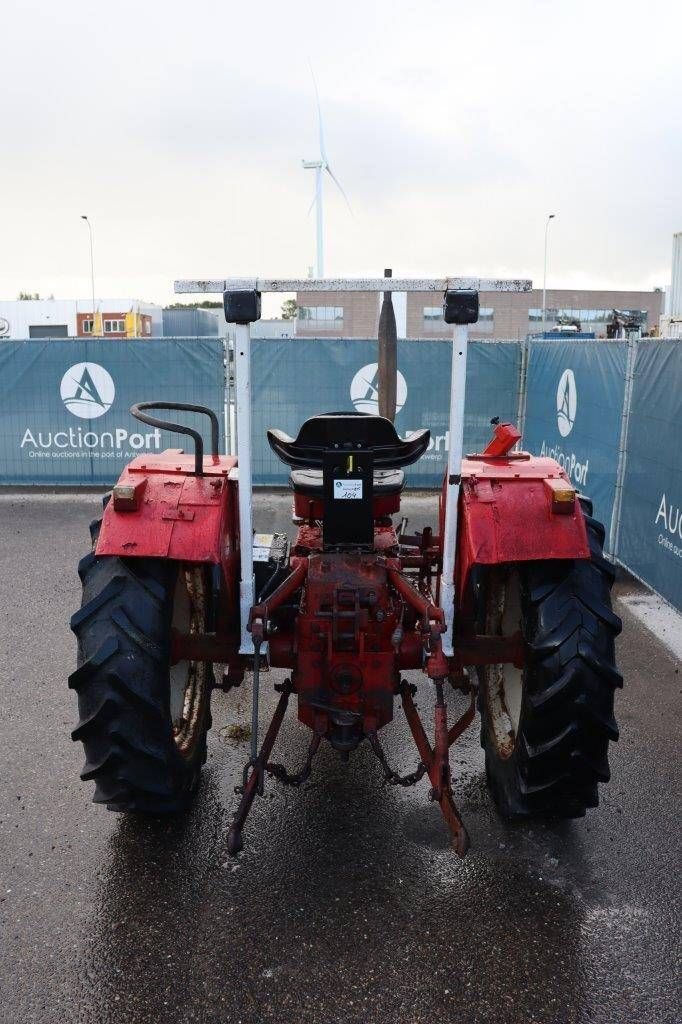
point(92, 269)
point(544, 279)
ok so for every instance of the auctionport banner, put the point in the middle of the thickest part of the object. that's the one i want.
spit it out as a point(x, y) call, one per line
point(650, 535)
point(574, 404)
point(297, 378)
point(64, 405)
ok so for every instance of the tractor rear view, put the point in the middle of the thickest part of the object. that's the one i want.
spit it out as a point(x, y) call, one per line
point(505, 599)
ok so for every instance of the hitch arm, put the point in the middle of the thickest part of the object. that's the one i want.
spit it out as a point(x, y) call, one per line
point(424, 607)
point(437, 760)
point(434, 623)
point(254, 782)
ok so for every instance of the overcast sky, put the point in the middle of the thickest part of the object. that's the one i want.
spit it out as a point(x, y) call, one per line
point(454, 128)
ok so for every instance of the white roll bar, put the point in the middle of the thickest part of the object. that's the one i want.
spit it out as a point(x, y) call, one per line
point(351, 284)
point(242, 380)
point(457, 396)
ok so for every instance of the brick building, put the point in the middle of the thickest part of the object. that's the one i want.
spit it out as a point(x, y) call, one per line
point(510, 315)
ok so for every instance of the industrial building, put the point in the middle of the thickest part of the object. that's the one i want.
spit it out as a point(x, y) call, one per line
point(73, 318)
point(198, 322)
point(121, 318)
point(511, 315)
point(192, 322)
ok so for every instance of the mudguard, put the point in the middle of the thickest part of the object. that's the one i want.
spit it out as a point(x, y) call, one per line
point(160, 509)
point(508, 512)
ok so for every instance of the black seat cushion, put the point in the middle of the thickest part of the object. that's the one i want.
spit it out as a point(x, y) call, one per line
point(348, 431)
point(308, 482)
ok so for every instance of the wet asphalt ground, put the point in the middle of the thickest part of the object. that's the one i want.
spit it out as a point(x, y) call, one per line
point(347, 904)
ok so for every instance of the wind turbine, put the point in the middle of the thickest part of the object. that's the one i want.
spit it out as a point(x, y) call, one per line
point(320, 166)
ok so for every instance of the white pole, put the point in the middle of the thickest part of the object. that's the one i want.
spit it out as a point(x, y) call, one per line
point(242, 372)
point(319, 216)
point(233, 422)
point(544, 278)
point(92, 268)
point(456, 444)
point(400, 310)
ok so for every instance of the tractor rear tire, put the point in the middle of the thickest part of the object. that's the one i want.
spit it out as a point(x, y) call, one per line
point(143, 722)
point(546, 728)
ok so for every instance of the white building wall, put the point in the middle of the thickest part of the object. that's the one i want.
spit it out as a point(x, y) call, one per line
point(155, 312)
point(675, 307)
point(16, 317)
point(277, 328)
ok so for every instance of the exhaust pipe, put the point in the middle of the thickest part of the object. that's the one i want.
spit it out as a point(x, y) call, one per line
point(388, 356)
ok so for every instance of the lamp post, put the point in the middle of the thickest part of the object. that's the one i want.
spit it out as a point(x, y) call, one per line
point(92, 269)
point(544, 279)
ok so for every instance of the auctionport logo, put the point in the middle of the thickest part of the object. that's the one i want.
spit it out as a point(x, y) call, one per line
point(566, 402)
point(566, 406)
point(671, 516)
point(87, 390)
point(364, 390)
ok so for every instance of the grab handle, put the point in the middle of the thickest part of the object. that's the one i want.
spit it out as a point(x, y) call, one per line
point(137, 411)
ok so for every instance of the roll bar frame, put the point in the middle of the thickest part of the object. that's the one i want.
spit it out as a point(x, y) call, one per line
point(446, 594)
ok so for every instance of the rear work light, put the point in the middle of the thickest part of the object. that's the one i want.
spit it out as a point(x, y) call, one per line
point(562, 495)
point(127, 497)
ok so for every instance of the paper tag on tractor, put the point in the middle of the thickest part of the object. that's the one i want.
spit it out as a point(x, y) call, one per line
point(348, 490)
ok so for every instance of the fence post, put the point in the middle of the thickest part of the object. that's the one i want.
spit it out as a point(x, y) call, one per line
point(523, 378)
point(614, 531)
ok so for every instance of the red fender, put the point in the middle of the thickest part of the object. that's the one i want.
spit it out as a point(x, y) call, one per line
point(517, 508)
point(159, 509)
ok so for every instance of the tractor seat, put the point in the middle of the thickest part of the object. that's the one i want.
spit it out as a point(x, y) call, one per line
point(308, 482)
point(348, 431)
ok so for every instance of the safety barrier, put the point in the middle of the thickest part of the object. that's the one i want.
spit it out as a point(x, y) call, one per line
point(608, 411)
point(648, 527)
point(294, 379)
point(64, 405)
point(574, 406)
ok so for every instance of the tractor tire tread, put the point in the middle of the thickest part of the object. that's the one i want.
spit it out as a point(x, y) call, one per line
point(123, 635)
point(567, 718)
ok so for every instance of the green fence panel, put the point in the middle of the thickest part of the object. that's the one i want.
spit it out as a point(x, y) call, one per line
point(650, 532)
point(64, 405)
point(297, 378)
point(574, 404)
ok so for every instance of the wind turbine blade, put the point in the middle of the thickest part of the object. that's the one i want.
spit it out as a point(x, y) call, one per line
point(340, 187)
point(310, 208)
point(320, 123)
point(323, 148)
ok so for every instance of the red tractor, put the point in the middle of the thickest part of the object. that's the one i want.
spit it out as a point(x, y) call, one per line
point(507, 601)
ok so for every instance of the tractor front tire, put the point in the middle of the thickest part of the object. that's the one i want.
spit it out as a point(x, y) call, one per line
point(546, 728)
point(143, 721)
